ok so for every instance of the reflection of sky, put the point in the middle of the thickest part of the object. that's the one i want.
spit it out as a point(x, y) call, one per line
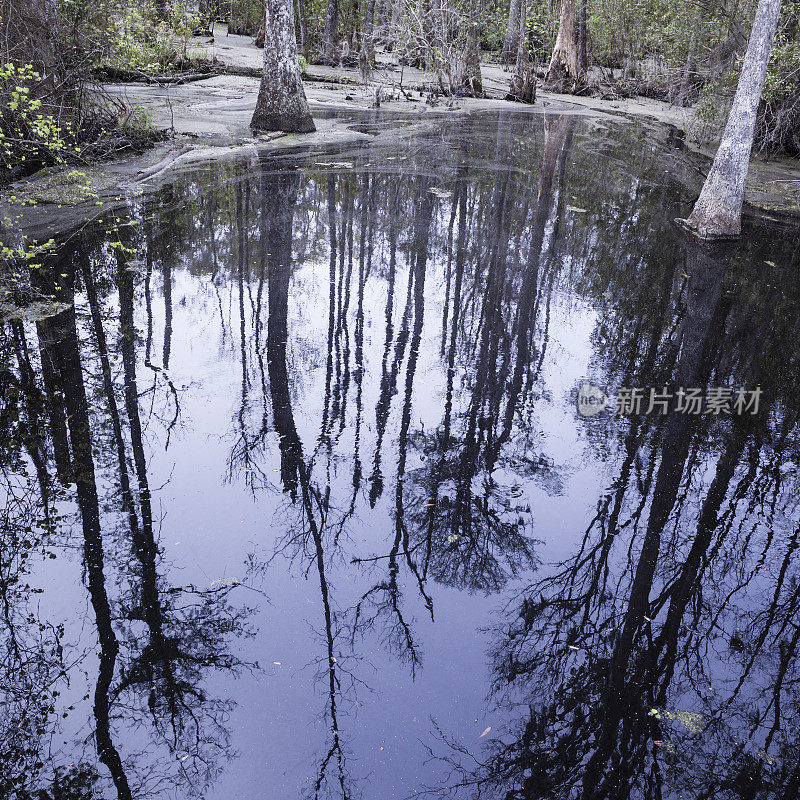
point(212, 524)
point(209, 526)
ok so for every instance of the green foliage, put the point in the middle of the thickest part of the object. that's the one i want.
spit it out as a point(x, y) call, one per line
point(27, 131)
point(246, 17)
point(779, 120)
point(146, 39)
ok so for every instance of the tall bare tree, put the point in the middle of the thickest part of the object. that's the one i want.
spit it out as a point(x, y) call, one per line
point(331, 31)
point(510, 43)
point(718, 211)
point(583, 39)
point(523, 84)
point(281, 104)
point(564, 61)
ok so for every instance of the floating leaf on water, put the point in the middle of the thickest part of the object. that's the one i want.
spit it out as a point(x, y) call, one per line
point(691, 720)
point(765, 756)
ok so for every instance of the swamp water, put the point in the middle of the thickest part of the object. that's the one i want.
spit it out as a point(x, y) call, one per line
point(298, 502)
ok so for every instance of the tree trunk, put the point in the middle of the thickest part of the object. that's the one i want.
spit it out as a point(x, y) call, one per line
point(331, 33)
point(510, 44)
point(523, 84)
point(355, 35)
point(301, 16)
point(718, 211)
point(473, 82)
point(367, 55)
point(583, 39)
point(281, 104)
point(563, 67)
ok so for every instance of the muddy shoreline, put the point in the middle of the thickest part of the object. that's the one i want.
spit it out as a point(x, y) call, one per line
point(209, 120)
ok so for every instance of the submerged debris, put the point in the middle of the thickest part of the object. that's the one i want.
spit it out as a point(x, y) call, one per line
point(33, 312)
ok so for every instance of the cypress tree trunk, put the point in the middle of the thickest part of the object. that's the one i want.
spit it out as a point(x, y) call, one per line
point(331, 32)
point(564, 61)
point(718, 211)
point(301, 16)
point(523, 85)
point(281, 104)
point(512, 33)
point(367, 55)
point(473, 82)
point(583, 39)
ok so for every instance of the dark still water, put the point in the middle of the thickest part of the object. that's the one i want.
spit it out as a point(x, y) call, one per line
point(299, 502)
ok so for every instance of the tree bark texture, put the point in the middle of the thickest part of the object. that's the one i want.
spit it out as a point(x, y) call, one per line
point(583, 39)
point(509, 51)
point(281, 104)
point(718, 211)
point(564, 61)
point(330, 34)
point(523, 84)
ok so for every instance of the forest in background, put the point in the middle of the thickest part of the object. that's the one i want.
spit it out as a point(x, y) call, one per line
point(55, 56)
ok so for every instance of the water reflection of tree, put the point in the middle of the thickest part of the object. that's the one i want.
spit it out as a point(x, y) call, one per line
point(32, 653)
point(278, 197)
point(615, 661)
point(478, 537)
point(636, 620)
point(188, 630)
